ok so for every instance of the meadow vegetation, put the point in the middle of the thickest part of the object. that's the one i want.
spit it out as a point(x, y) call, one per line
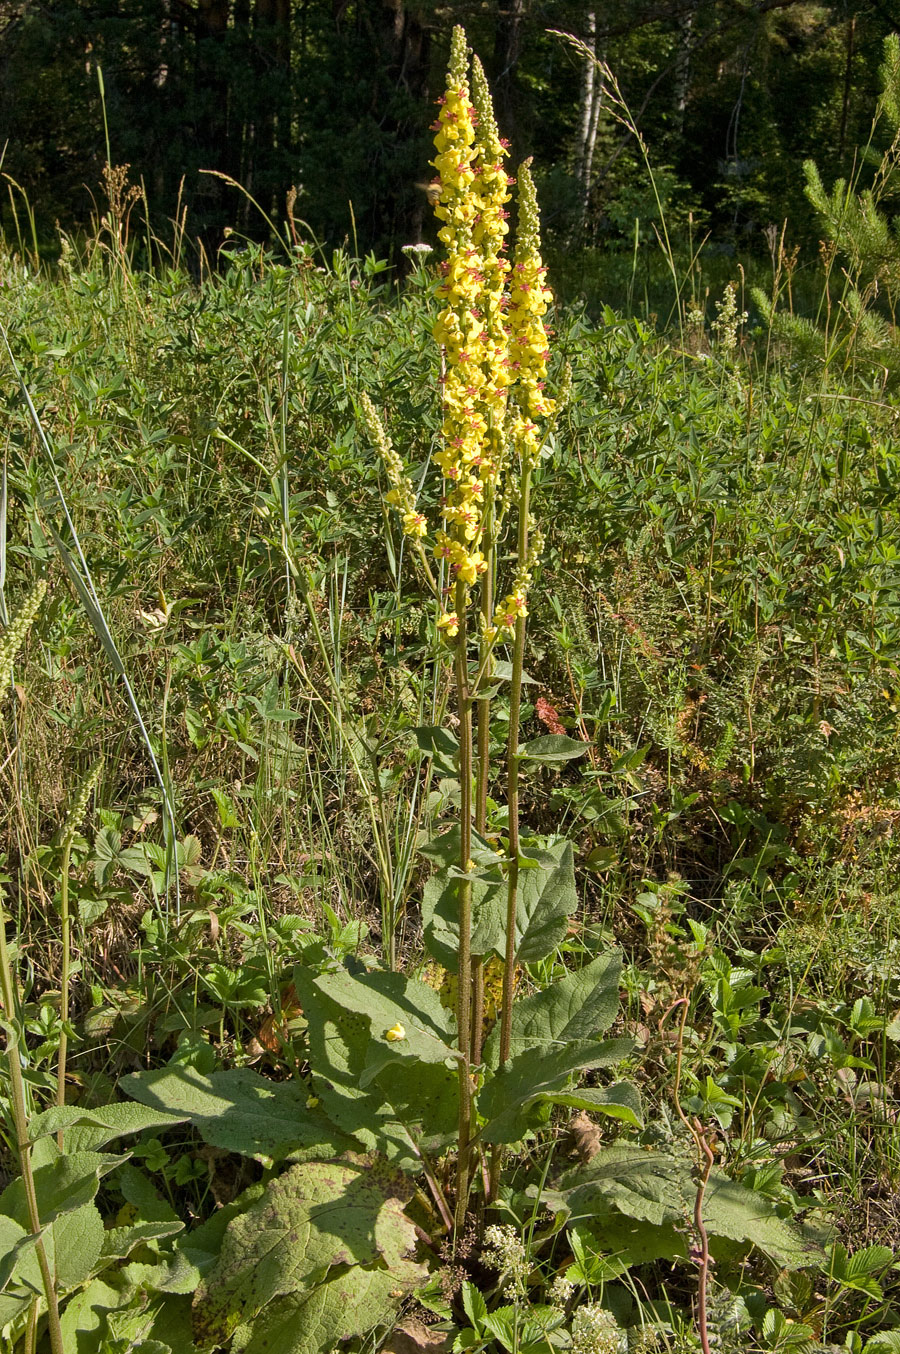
point(239, 839)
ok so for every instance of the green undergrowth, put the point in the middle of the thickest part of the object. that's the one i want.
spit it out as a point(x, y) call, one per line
point(715, 624)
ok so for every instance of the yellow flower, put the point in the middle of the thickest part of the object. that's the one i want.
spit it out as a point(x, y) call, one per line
point(395, 1033)
point(449, 624)
point(414, 523)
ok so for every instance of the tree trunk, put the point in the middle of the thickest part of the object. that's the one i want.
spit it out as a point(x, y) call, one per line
point(683, 67)
point(507, 49)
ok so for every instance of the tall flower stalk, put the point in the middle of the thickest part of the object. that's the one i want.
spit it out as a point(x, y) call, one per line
point(494, 364)
point(10, 643)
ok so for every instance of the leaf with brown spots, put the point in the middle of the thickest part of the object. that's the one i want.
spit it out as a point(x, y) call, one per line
point(314, 1225)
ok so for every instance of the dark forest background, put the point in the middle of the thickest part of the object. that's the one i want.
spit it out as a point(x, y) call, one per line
point(333, 99)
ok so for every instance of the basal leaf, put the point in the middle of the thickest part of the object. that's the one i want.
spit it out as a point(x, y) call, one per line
point(315, 1218)
point(97, 1127)
point(731, 1210)
point(237, 1109)
point(648, 1186)
point(658, 1188)
point(367, 1085)
point(393, 1002)
point(346, 1305)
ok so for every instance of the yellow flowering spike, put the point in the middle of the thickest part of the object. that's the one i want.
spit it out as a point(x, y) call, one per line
point(401, 494)
point(395, 1033)
point(528, 302)
point(471, 327)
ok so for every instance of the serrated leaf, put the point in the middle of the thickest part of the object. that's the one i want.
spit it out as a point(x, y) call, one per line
point(580, 1006)
point(314, 1218)
point(885, 1342)
point(237, 1109)
point(347, 1305)
point(508, 1095)
point(390, 1000)
point(730, 1210)
point(62, 1183)
point(546, 899)
point(402, 1101)
point(100, 1125)
point(73, 1242)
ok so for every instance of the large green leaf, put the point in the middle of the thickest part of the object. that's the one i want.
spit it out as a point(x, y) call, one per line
point(89, 1129)
point(440, 899)
point(314, 1219)
point(740, 1214)
point(62, 1183)
point(368, 1085)
point(238, 1110)
point(202, 1245)
point(546, 899)
point(659, 1189)
point(537, 1076)
point(84, 1318)
point(347, 1305)
point(648, 1186)
point(579, 1006)
point(73, 1242)
point(390, 1000)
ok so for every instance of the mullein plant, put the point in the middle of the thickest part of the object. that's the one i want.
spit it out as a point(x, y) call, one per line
point(496, 417)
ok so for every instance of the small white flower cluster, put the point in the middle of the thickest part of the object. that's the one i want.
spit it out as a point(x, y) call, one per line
point(561, 1291)
point(594, 1331)
point(504, 1252)
point(728, 320)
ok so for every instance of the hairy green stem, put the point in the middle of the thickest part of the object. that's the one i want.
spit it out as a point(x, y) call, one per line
point(23, 1145)
point(512, 800)
point(66, 928)
point(464, 956)
point(483, 764)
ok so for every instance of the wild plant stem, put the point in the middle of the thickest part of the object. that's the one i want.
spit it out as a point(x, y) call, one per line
point(464, 956)
point(31, 1329)
point(66, 928)
point(483, 767)
point(512, 800)
point(705, 1164)
point(23, 1146)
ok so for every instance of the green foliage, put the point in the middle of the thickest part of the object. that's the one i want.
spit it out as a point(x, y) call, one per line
point(317, 1257)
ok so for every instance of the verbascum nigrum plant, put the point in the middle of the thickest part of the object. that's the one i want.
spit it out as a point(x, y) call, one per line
point(495, 420)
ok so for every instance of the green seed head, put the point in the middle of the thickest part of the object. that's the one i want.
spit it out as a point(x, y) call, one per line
point(459, 57)
point(16, 632)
